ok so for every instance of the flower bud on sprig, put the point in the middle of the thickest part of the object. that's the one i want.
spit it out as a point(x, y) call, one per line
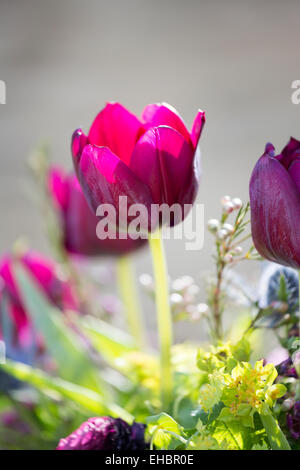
point(228, 250)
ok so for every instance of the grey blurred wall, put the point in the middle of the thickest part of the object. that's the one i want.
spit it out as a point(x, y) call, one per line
point(62, 59)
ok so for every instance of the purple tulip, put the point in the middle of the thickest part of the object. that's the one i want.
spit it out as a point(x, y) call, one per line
point(78, 223)
point(287, 369)
point(293, 421)
point(105, 433)
point(150, 160)
point(275, 204)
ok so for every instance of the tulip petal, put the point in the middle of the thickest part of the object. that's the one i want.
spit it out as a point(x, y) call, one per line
point(287, 155)
point(163, 114)
point(275, 212)
point(163, 160)
point(79, 141)
point(104, 178)
point(197, 127)
point(294, 170)
point(58, 187)
point(116, 128)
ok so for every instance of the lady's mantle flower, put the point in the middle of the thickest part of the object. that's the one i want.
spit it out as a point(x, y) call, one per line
point(245, 390)
point(105, 433)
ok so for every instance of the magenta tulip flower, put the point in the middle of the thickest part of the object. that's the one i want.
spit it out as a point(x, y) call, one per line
point(44, 272)
point(275, 204)
point(78, 223)
point(105, 433)
point(151, 160)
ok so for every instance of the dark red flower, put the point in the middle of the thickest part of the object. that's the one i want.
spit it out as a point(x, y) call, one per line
point(105, 433)
point(275, 204)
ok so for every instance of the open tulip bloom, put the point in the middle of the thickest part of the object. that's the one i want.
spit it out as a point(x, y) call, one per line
point(151, 161)
point(275, 204)
point(78, 223)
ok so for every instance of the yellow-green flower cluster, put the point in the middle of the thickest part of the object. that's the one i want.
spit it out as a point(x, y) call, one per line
point(243, 391)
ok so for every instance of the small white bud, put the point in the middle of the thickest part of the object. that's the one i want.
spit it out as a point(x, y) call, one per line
point(287, 404)
point(146, 280)
point(202, 308)
point(193, 289)
point(229, 228)
point(237, 202)
point(222, 234)
point(238, 250)
point(228, 258)
point(176, 299)
point(213, 225)
point(228, 207)
point(225, 200)
point(182, 283)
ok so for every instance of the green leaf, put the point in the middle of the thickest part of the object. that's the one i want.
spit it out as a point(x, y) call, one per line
point(84, 397)
point(163, 428)
point(276, 437)
point(186, 413)
point(111, 342)
point(61, 342)
point(229, 433)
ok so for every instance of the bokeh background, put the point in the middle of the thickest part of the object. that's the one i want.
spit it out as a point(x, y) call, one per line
point(62, 59)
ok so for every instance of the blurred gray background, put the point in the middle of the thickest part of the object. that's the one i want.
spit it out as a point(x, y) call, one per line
point(62, 59)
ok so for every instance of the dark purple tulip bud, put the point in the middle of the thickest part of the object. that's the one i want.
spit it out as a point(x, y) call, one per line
point(287, 369)
point(105, 433)
point(275, 204)
point(293, 421)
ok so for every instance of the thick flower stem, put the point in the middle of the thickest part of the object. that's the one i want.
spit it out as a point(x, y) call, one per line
point(164, 318)
point(129, 295)
point(276, 437)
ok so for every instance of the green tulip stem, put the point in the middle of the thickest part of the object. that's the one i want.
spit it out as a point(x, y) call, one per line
point(129, 296)
point(164, 318)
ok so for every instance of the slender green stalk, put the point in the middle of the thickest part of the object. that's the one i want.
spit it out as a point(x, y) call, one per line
point(164, 318)
point(276, 437)
point(129, 295)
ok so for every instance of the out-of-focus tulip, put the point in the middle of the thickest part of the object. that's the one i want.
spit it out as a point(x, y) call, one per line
point(293, 421)
point(149, 160)
point(275, 204)
point(78, 223)
point(46, 275)
point(105, 433)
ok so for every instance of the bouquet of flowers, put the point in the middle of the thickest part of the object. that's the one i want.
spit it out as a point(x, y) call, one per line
point(79, 370)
